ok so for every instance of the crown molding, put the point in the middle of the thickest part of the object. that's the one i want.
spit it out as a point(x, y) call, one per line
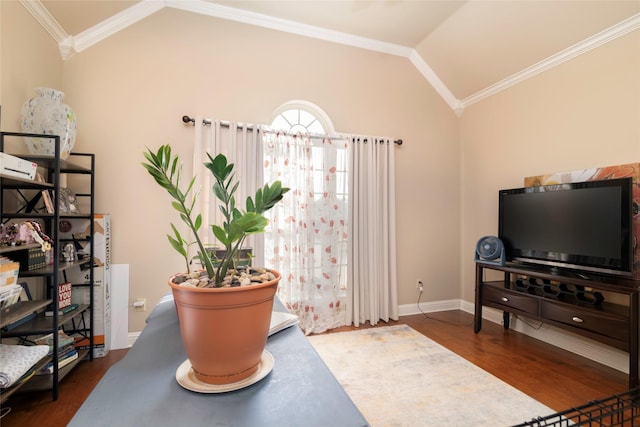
point(67, 48)
point(433, 79)
point(252, 18)
point(117, 22)
point(68, 45)
point(597, 40)
point(45, 19)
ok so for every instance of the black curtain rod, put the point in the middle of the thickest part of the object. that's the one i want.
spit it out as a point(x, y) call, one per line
point(365, 140)
point(187, 119)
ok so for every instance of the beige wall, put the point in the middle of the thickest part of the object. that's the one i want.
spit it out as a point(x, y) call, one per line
point(584, 113)
point(29, 58)
point(130, 91)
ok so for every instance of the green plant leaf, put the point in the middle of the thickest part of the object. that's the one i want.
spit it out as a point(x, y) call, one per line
point(220, 234)
point(177, 243)
point(251, 207)
point(179, 207)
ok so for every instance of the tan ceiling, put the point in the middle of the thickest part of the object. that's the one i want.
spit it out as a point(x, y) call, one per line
point(470, 45)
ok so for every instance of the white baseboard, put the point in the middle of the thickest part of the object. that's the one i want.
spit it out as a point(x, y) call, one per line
point(132, 337)
point(430, 307)
point(581, 346)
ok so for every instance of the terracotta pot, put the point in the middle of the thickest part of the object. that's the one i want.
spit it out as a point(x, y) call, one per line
point(224, 330)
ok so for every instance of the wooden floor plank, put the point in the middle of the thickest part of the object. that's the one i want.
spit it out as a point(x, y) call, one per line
point(37, 408)
point(557, 378)
point(554, 377)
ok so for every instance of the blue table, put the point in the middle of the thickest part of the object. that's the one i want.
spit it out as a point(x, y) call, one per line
point(141, 389)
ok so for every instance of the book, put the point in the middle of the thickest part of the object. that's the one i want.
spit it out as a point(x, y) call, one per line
point(66, 352)
point(63, 340)
point(20, 321)
point(62, 362)
point(281, 320)
point(65, 310)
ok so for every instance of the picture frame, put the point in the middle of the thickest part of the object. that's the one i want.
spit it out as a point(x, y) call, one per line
point(67, 201)
point(45, 195)
point(48, 203)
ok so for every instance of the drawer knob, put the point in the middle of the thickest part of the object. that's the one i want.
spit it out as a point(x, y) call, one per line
point(504, 299)
point(577, 319)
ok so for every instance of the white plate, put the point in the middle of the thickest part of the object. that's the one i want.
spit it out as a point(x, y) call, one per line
point(187, 378)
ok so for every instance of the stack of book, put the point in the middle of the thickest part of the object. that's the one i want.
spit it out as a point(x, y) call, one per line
point(67, 352)
point(31, 259)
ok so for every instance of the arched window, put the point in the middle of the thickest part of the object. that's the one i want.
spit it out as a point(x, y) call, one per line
point(302, 116)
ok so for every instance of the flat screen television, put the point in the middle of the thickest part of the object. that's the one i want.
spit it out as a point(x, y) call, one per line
point(583, 226)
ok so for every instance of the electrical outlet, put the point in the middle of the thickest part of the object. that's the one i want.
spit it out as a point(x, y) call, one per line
point(140, 304)
point(420, 286)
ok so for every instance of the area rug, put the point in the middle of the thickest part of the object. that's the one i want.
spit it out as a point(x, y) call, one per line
point(398, 377)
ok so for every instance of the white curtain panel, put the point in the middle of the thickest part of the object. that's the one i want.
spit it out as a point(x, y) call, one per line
point(307, 240)
point(372, 279)
point(241, 143)
point(333, 236)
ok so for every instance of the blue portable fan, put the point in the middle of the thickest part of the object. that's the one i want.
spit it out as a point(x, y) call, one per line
point(490, 250)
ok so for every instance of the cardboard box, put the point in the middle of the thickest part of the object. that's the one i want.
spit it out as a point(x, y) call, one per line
point(101, 279)
point(8, 272)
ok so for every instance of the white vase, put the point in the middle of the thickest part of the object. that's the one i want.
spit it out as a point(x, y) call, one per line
point(47, 114)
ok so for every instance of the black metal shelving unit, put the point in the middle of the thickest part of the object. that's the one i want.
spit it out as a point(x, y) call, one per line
point(28, 194)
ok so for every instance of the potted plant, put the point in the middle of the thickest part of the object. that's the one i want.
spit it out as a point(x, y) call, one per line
point(224, 313)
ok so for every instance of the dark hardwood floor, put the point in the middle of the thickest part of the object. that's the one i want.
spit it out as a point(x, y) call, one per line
point(555, 377)
point(37, 408)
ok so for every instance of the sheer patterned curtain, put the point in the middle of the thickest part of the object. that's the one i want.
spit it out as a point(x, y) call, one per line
point(372, 280)
point(308, 229)
point(241, 143)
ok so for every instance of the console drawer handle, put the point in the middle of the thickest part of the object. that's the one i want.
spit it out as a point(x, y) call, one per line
point(504, 299)
point(577, 319)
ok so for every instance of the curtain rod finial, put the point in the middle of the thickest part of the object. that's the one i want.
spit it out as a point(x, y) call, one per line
point(187, 119)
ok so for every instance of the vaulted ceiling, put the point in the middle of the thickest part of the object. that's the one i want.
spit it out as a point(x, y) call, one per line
point(466, 49)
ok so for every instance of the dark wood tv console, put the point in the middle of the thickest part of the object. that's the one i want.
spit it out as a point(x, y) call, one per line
point(567, 301)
